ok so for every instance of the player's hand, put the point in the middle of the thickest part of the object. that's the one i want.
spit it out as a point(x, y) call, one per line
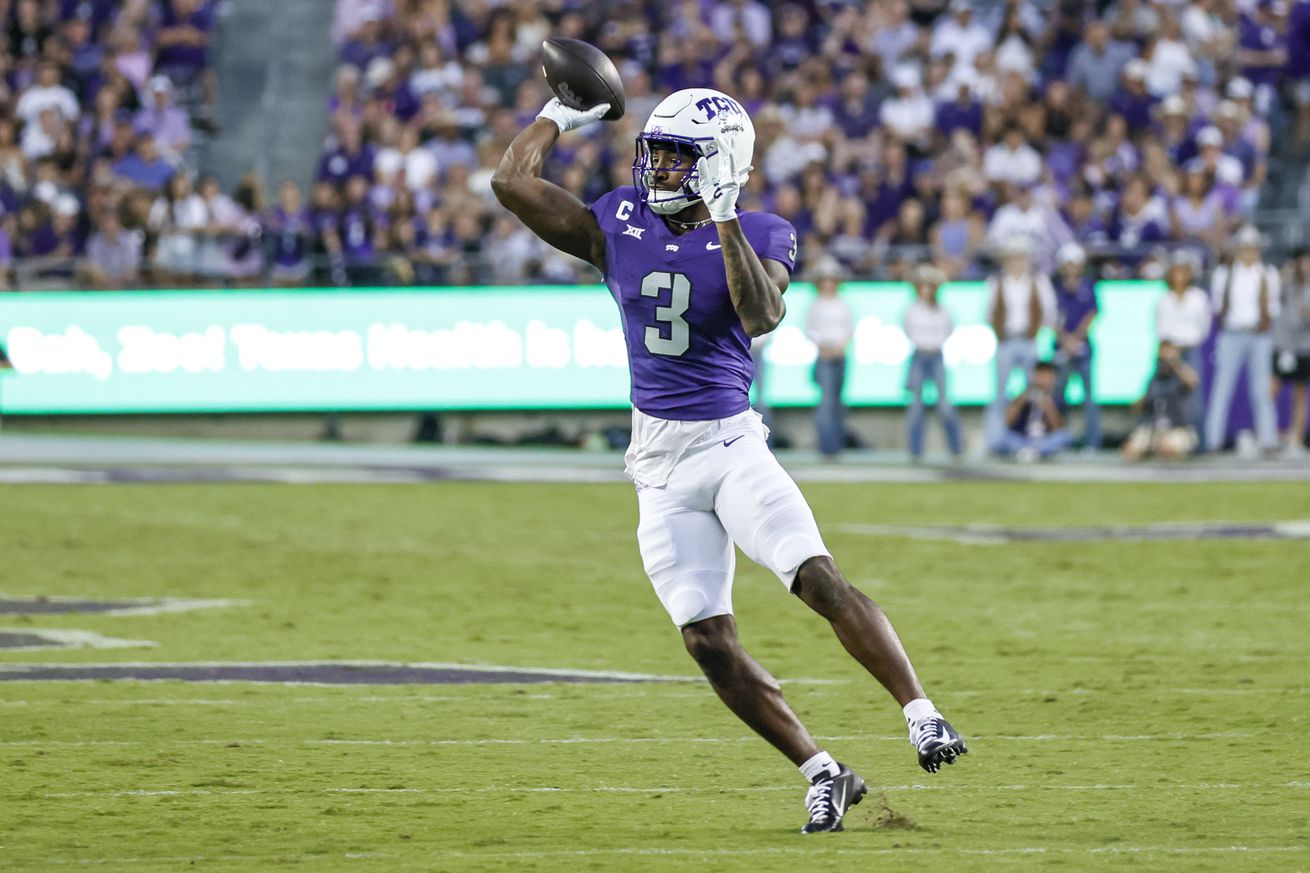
point(720, 193)
point(567, 119)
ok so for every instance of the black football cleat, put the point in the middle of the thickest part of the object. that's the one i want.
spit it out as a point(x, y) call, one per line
point(937, 742)
point(830, 797)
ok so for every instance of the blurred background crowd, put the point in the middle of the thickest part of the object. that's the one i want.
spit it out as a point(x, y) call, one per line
point(895, 135)
point(890, 133)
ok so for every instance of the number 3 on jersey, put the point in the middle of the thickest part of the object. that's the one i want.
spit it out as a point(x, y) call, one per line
point(668, 317)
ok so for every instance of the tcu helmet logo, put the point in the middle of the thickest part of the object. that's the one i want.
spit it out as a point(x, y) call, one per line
point(719, 105)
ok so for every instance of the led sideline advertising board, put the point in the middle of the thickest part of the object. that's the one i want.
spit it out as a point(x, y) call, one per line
point(546, 347)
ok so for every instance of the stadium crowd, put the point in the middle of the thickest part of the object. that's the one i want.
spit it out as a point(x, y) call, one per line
point(892, 134)
point(100, 101)
point(889, 133)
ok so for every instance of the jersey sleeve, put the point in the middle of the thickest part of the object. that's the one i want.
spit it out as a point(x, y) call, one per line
point(603, 209)
point(772, 237)
point(614, 209)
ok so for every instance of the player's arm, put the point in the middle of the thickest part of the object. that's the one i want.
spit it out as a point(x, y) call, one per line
point(548, 210)
point(754, 284)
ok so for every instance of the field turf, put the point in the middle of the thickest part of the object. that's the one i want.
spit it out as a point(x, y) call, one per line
point(1129, 705)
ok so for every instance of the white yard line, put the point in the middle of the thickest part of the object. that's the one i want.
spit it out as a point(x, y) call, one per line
point(662, 691)
point(805, 851)
point(568, 741)
point(664, 789)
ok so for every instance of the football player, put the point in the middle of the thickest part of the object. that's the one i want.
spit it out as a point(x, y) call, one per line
point(695, 280)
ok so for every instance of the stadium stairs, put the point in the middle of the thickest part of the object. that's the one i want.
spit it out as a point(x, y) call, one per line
point(274, 64)
point(1284, 212)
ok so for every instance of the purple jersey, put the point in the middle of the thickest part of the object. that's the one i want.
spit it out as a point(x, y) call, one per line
point(688, 353)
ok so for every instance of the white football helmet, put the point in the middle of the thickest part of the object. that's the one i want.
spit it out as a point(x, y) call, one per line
point(686, 121)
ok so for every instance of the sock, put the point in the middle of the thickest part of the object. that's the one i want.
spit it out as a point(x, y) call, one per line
point(919, 709)
point(821, 764)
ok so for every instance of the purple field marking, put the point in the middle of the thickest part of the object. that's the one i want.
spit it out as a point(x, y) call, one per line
point(41, 606)
point(985, 534)
point(11, 640)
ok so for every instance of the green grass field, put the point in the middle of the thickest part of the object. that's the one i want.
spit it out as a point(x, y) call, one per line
point(1129, 705)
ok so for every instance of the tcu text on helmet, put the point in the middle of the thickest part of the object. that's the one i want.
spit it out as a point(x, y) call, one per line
point(719, 105)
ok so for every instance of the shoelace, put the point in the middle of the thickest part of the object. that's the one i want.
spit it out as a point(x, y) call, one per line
point(927, 732)
point(818, 801)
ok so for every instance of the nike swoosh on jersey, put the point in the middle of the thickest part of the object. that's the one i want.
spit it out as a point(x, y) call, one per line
point(727, 443)
point(709, 246)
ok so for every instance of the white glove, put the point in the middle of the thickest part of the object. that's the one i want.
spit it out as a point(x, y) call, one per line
point(720, 194)
point(567, 119)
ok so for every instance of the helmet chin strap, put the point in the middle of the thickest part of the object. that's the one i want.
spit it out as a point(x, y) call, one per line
point(671, 206)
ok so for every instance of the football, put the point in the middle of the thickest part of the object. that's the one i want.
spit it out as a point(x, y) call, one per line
point(581, 75)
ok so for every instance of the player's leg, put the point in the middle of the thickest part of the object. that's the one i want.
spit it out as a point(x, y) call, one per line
point(1228, 362)
point(1300, 414)
point(746, 688)
point(950, 422)
point(1259, 372)
point(690, 561)
point(1091, 410)
point(914, 423)
point(767, 516)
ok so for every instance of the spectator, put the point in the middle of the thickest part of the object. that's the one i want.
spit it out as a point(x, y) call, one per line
point(1034, 425)
point(224, 224)
point(186, 28)
point(957, 235)
point(145, 168)
point(1246, 294)
point(962, 111)
point(896, 36)
point(42, 136)
point(1197, 214)
point(1183, 319)
point(928, 326)
point(65, 228)
point(1139, 221)
point(1230, 119)
point(1168, 57)
point(830, 324)
point(367, 42)
point(362, 235)
point(958, 36)
point(176, 219)
point(1020, 302)
point(291, 231)
point(6, 256)
point(1041, 226)
point(167, 124)
point(1298, 68)
point(1012, 160)
point(348, 156)
point(742, 17)
point(1164, 427)
point(510, 251)
point(909, 115)
point(245, 250)
point(1292, 347)
point(113, 255)
point(1132, 100)
point(47, 93)
point(1076, 310)
point(1262, 49)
